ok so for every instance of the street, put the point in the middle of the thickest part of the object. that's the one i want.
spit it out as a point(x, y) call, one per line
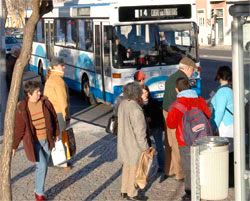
point(96, 172)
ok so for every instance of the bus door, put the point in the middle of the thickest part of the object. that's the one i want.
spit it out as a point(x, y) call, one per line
point(49, 38)
point(99, 71)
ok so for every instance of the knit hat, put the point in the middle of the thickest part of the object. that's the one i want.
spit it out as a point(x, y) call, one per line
point(139, 75)
point(56, 61)
point(185, 61)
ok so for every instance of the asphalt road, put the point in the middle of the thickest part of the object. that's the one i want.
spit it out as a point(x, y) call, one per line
point(210, 60)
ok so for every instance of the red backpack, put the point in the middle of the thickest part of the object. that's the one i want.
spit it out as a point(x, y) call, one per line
point(195, 124)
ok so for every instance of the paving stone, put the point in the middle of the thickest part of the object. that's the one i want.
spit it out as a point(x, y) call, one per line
point(96, 174)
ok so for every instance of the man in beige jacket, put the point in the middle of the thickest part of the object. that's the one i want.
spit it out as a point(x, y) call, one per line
point(57, 92)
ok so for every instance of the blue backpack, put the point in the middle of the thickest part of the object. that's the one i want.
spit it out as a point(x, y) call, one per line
point(195, 124)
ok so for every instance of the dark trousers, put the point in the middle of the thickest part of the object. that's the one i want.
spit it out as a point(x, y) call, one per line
point(186, 166)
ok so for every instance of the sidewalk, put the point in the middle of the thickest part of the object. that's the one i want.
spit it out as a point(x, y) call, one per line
point(217, 47)
point(95, 176)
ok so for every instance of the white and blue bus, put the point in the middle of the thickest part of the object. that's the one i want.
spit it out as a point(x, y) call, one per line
point(104, 43)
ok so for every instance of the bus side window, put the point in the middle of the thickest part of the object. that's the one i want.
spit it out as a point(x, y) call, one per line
point(39, 32)
point(60, 32)
point(106, 46)
point(85, 41)
point(71, 33)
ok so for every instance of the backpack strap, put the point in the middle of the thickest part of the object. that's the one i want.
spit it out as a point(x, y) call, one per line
point(230, 111)
point(229, 86)
point(179, 106)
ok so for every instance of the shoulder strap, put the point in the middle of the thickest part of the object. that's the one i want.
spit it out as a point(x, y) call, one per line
point(179, 106)
point(229, 86)
point(229, 111)
point(223, 86)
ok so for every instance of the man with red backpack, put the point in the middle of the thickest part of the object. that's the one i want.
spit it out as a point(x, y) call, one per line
point(189, 115)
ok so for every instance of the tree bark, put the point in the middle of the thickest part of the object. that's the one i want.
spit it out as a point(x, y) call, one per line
point(39, 7)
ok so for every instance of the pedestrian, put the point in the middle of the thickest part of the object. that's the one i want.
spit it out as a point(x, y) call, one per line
point(131, 138)
point(222, 111)
point(10, 64)
point(36, 124)
point(189, 99)
point(172, 154)
point(57, 92)
point(140, 77)
point(155, 123)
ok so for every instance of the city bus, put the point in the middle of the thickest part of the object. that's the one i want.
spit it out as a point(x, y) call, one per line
point(103, 43)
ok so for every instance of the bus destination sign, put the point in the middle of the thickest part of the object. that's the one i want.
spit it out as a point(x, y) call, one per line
point(165, 12)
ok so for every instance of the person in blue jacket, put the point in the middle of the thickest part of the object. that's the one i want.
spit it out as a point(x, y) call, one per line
point(222, 113)
point(222, 103)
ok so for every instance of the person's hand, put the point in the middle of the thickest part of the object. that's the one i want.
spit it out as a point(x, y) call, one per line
point(13, 152)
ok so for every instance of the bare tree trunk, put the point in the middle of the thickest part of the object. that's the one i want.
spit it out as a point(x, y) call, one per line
point(39, 8)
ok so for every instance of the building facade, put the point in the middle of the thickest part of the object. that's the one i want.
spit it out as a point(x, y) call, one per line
point(214, 22)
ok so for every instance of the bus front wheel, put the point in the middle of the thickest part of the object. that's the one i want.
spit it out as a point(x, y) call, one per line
point(87, 95)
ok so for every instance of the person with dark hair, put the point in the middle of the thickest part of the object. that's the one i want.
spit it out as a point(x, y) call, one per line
point(172, 154)
point(222, 103)
point(188, 99)
point(10, 64)
point(222, 112)
point(131, 140)
point(36, 124)
point(155, 124)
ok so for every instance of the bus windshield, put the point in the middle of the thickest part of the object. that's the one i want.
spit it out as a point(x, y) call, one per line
point(153, 44)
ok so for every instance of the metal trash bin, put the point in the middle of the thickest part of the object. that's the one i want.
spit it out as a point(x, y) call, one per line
point(209, 168)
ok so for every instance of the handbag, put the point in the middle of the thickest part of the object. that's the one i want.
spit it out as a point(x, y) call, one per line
point(144, 166)
point(68, 139)
point(58, 153)
point(112, 126)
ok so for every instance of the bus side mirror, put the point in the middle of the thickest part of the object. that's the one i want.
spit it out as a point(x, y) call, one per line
point(109, 32)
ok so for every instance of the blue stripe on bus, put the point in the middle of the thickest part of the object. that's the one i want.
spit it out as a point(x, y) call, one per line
point(85, 62)
point(95, 91)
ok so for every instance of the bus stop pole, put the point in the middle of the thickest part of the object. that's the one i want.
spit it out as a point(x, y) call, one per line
point(239, 116)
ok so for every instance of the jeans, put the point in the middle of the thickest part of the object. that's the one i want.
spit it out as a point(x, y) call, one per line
point(157, 134)
point(42, 156)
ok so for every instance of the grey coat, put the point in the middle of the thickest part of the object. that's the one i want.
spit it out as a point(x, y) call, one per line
point(131, 132)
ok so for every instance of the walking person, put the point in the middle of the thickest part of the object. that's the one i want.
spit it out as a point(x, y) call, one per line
point(57, 92)
point(10, 64)
point(155, 122)
point(188, 99)
point(131, 140)
point(36, 124)
point(222, 112)
point(172, 154)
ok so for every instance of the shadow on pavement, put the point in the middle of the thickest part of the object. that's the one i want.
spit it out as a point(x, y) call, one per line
point(22, 174)
point(93, 195)
point(98, 149)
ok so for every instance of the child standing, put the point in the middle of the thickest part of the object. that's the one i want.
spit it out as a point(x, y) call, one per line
point(189, 99)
